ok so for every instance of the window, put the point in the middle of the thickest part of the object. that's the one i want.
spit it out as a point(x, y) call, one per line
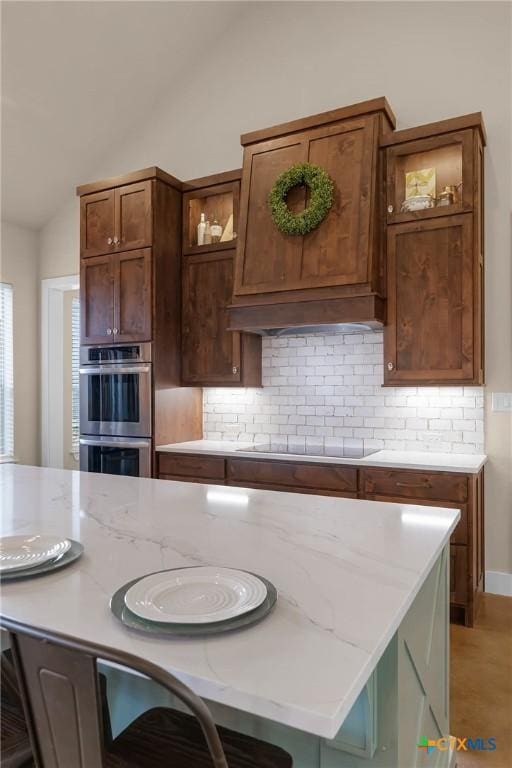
point(75, 377)
point(6, 373)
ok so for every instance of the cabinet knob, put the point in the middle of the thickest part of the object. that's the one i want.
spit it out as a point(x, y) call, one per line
point(235, 369)
point(110, 241)
point(390, 209)
point(391, 366)
point(115, 331)
point(109, 331)
point(116, 240)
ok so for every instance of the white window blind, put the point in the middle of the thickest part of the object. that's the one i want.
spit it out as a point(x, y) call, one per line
point(75, 376)
point(6, 373)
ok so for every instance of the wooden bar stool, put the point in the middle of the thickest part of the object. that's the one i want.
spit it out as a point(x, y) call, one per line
point(60, 689)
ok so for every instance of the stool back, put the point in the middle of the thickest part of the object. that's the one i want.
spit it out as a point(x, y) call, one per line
point(59, 686)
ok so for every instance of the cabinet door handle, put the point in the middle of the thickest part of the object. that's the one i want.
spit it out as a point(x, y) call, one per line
point(115, 331)
point(109, 331)
point(110, 241)
point(235, 369)
point(390, 366)
point(413, 485)
point(117, 240)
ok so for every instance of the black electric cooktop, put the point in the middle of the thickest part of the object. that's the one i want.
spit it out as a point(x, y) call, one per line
point(335, 452)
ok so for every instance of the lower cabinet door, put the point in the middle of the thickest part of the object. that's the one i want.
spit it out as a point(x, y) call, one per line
point(458, 574)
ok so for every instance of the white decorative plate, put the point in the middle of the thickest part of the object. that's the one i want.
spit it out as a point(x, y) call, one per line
point(20, 552)
point(200, 595)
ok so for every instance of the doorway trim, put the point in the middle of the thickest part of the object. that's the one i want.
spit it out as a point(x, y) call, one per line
point(52, 367)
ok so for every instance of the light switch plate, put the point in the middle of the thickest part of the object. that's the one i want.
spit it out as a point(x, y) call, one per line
point(502, 401)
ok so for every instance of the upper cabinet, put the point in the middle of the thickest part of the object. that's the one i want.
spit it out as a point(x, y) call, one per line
point(130, 233)
point(97, 223)
point(430, 177)
point(116, 297)
point(210, 213)
point(285, 279)
point(435, 254)
point(133, 216)
point(212, 354)
point(116, 219)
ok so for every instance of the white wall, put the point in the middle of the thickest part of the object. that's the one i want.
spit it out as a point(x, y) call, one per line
point(19, 266)
point(287, 60)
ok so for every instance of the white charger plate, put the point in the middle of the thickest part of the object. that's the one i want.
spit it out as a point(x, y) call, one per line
point(197, 595)
point(20, 552)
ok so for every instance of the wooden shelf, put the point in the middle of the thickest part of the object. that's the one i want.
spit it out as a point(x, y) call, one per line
point(219, 202)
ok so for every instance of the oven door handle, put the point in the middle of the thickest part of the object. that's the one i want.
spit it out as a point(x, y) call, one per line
point(94, 371)
point(98, 442)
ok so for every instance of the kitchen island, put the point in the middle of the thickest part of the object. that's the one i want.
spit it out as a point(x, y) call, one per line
point(351, 667)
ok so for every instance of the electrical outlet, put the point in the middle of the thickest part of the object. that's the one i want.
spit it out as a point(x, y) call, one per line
point(502, 401)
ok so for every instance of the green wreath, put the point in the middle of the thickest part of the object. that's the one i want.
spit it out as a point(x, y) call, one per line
point(321, 187)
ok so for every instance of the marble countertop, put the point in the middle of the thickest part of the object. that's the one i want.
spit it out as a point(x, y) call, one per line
point(346, 572)
point(440, 462)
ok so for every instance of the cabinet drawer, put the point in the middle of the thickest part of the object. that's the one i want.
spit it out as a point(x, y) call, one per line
point(416, 485)
point(293, 476)
point(192, 467)
point(460, 534)
point(458, 574)
point(185, 479)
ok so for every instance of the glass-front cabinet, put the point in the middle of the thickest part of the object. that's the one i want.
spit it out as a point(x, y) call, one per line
point(430, 177)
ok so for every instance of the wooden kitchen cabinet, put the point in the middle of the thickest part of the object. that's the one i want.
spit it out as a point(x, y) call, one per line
point(97, 223)
point(218, 197)
point(430, 336)
point(435, 268)
point(212, 355)
point(133, 216)
point(449, 156)
point(132, 295)
point(284, 280)
point(414, 484)
point(298, 477)
point(191, 469)
point(96, 299)
point(116, 297)
point(458, 575)
point(114, 220)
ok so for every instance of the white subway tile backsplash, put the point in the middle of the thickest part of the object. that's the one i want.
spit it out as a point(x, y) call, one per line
point(326, 390)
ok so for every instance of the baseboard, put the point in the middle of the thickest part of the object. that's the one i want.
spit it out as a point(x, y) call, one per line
point(498, 583)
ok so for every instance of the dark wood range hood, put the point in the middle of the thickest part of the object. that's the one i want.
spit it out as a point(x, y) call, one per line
point(335, 274)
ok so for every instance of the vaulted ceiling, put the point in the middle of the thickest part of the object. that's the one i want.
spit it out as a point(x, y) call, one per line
point(78, 77)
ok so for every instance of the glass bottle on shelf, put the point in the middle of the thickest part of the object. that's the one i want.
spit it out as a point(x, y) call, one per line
point(216, 231)
point(201, 228)
point(207, 233)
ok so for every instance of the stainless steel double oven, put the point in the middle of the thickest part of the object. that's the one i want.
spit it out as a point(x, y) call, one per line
point(116, 409)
